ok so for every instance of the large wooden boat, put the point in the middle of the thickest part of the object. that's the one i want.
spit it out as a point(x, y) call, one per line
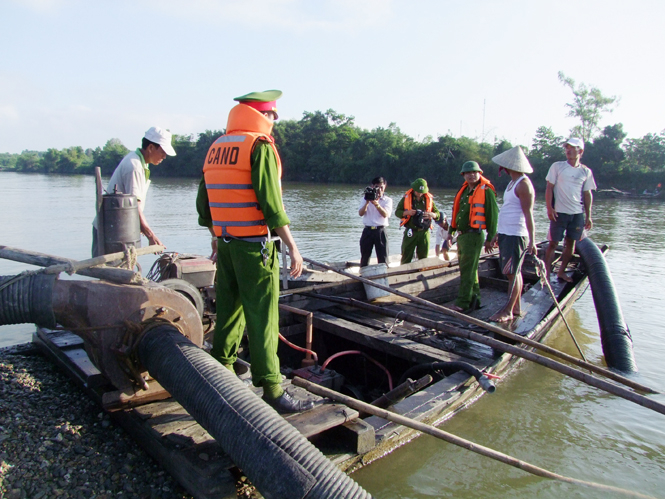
point(360, 353)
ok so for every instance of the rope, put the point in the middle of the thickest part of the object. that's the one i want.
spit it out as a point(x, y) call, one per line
point(22, 275)
point(541, 271)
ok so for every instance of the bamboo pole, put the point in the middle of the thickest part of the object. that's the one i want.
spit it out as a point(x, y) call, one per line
point(513, 350)
point(454, 439)
point(122, 276)
point(495, 329)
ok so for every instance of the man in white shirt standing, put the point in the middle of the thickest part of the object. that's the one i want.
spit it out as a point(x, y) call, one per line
point(569, 200)
point(132, 176)
point(375, 208)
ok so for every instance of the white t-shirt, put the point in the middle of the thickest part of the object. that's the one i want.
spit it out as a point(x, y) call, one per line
point(441, 235)
point(569, 185)
point(372, 217)
point(130, 178)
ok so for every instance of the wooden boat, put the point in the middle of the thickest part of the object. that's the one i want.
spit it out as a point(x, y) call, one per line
point(364, 354)
point(614, 193)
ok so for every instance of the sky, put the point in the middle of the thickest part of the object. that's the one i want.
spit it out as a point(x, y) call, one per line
point(80, 72)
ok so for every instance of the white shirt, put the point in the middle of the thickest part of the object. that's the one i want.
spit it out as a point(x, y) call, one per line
point(130, 178)
point(570, 183)
point(511, 216)
point(372, 217)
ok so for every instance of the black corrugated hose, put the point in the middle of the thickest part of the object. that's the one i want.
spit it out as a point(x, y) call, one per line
point(279, 461)
point(27, 298)
point(448, 368)
point(614, 334)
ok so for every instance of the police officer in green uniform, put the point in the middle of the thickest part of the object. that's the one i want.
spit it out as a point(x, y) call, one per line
point(471, 226)
point(416, 236)
point(247, 287)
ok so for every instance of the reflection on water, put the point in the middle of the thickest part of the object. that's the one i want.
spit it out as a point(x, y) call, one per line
point(535, 415)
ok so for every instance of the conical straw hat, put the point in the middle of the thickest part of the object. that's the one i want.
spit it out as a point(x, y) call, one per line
point(513, 159)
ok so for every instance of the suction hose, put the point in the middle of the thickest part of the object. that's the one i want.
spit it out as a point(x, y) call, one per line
point(27, 298)
point(278, 460)
point(614, 334)
point(449, 368)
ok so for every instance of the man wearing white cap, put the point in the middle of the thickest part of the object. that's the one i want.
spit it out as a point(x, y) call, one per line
point(569, 200)
point(132, 176)
point(515, 232)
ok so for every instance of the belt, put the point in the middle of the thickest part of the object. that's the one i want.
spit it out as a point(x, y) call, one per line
point(469, 231)
point(374, 227)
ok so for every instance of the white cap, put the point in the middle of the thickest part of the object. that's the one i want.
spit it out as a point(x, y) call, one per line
point(575, 142)
point(513, 159)
point(161, 137)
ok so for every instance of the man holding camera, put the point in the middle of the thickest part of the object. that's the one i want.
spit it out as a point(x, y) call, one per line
point(375, 208)
point(417, 210)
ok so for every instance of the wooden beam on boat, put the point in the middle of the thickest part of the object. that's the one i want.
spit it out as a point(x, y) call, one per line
point(380, 340)
point(120, 276)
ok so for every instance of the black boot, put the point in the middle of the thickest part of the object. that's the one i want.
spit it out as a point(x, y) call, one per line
point(286, 404)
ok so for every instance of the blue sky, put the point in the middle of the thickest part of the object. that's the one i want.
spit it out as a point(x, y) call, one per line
point(76, 72)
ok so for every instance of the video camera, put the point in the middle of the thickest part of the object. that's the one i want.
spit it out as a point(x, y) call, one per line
point(420, 221)
point(371, 193)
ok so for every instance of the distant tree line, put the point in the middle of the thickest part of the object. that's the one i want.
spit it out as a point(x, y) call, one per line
point(327, 147)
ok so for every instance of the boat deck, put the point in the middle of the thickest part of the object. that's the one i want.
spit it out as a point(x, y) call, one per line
point(186, 450)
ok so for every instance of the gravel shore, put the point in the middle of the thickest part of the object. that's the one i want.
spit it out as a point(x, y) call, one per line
point(55, 442)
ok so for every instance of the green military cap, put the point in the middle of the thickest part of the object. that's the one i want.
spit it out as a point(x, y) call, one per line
point(420, 185)
point(265, 96)
point(470, 166)
point(262, 101)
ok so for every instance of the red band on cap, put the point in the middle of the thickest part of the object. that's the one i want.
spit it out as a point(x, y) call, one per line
point(262, 106)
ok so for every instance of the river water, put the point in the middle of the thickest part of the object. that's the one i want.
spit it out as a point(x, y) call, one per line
point(536, 415)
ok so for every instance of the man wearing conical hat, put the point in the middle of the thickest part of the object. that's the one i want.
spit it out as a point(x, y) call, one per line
point(474, 214)
point(240, 201)
point(515, 230)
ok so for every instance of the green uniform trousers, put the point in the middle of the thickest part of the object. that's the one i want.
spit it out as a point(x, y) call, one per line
point(414, 241)
point(469, 246)
point(248, 292)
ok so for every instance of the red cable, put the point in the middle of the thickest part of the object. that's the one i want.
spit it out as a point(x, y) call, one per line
point(300, 349)
point(358, 352)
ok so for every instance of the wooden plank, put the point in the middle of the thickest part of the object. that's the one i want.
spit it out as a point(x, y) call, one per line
point(155, 409)
point(202, 471)
point(321, 418)
point(380, 340)
point(41, 338)
point(64, 339)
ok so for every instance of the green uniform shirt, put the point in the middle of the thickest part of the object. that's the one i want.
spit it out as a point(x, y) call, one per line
point(265, 180)
point(416, 205)
point(491, 212)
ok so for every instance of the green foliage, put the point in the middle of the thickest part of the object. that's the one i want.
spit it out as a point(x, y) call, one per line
point(190, 155)
point(329, 147)
point(605, 154)
point(108, 157)
point(547, 148)
point(646, 154)
point(588, 105)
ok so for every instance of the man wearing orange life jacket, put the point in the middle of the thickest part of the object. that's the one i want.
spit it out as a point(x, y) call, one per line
point(416, 225)
point(240, 201)
point(475, 210)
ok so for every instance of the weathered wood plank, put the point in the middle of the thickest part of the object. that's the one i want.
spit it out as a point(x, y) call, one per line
point(380, 340)
point(321, 418)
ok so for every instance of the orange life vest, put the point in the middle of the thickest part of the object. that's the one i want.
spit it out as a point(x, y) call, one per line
point(477, 202)
point(227, 170)
point(408, 204)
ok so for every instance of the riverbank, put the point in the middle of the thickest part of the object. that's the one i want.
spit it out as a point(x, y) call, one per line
point(57, 443)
